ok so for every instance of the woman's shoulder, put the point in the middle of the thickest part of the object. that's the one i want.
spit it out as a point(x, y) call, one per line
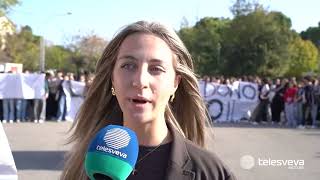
point(207, 163)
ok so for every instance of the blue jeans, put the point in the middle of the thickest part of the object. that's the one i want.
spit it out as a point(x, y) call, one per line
point(21, 109)
point(61, 108)
point(8, 109)
point(290, 114)
point(314, 113)
point(299, 113)
point(39, 109)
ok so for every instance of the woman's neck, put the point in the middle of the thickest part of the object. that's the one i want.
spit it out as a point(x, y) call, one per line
point(152, 133)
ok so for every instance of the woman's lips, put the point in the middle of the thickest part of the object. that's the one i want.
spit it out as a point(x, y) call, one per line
point(139, 102)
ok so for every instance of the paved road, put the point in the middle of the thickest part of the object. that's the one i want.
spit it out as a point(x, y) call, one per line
point(38, 150)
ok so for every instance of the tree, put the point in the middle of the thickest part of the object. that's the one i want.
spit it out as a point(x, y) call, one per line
point(86, 51)
point(303, 57)
point(23, 47)
point(204, 43)
point(6, 4)
point(257, 43)
point(312, 34)
point(59, 57)
point(244, 7)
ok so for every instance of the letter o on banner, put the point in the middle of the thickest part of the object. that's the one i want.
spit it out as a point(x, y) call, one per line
point(249, 92)
point(217, 105)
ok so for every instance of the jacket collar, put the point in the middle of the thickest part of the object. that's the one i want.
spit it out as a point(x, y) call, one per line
point(179, 165)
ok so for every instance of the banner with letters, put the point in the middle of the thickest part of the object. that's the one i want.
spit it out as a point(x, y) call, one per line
point(22, 86)
point(225, 102)
point(230, 102)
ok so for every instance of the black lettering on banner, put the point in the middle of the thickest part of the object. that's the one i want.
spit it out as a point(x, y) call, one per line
point(220, 104)
point(237, 91)
point(226, 93)
point(232, 109)
point(251, 89)
point(213, 91)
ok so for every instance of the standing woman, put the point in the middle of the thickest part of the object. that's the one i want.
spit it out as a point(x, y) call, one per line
point(145, 81)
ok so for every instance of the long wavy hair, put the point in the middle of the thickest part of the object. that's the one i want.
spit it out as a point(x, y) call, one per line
point(187, 113)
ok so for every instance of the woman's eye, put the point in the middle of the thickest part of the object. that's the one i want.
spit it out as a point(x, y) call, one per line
point(128, 66)
point(157, 69)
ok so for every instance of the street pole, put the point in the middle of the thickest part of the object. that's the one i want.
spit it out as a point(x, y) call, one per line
point(42, 60)
point(42, 54)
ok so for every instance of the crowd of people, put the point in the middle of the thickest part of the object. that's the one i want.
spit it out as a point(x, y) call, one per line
point(282, 101)
point(51, 107)
point(290, 102)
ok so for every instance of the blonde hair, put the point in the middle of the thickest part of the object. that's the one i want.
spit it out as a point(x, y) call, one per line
point(187, 113)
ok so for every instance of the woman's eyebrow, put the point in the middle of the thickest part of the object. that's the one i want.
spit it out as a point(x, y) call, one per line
point(129, 57)
point(157, 61)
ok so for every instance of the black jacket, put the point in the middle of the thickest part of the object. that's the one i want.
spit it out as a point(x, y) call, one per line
point(190, 162)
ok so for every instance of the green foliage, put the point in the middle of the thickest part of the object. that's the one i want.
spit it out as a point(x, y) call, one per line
point(86, 51)
point(244, 7)
point(204, 43)
point(312, 34)
point(303, 57)
point(58, 57)
point(255, 42)
point(23, 48)
point(258, 44)
point(6, 4)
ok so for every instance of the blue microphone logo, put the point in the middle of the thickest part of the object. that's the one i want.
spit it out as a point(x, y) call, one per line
point(116, 138)
point(112, 152)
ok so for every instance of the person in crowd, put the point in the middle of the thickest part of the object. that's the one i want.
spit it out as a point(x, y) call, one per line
point(309, 99)
point(71, 76)
point(61, 98)
point(51, 103)
point(39, 108)
point(289, 106)
point(82, 78)
point(315, 103)
point(277, 103)
point(299, 101)
point(261, 111)
point(145, 81)
point(8, 109)
point(22, 105)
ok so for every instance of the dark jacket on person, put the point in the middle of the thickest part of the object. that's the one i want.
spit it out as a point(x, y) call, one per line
point(190, 162)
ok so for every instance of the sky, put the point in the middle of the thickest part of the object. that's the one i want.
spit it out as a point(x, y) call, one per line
point(60, 20)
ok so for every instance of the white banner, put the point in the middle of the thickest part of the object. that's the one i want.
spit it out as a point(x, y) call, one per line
point(230, 102)
point(8, 170)
point(22, 86)
point(225, 102)
point(74, 97)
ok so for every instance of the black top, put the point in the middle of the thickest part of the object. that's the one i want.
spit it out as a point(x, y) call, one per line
point(154, 165)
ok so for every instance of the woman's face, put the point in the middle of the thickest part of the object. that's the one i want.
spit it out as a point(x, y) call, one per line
point(144, 77)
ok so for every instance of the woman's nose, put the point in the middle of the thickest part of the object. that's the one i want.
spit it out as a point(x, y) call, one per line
point(141, 78)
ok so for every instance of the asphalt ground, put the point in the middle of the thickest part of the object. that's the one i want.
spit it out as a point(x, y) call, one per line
point(251, 152)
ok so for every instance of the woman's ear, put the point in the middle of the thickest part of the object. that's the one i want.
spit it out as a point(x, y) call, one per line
point(177, 82)
point(112, 78)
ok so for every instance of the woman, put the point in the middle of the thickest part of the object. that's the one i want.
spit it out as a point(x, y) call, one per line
point(145, 81)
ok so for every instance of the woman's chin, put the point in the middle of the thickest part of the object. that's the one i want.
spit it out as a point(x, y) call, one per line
point(139, 118)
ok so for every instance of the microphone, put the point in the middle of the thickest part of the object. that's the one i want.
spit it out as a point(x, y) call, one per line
point(112, 154)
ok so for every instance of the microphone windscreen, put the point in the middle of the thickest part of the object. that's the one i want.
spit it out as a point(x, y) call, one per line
point(112, 153)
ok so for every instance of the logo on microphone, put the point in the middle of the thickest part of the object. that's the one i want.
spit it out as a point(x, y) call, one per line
point(116, 138)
